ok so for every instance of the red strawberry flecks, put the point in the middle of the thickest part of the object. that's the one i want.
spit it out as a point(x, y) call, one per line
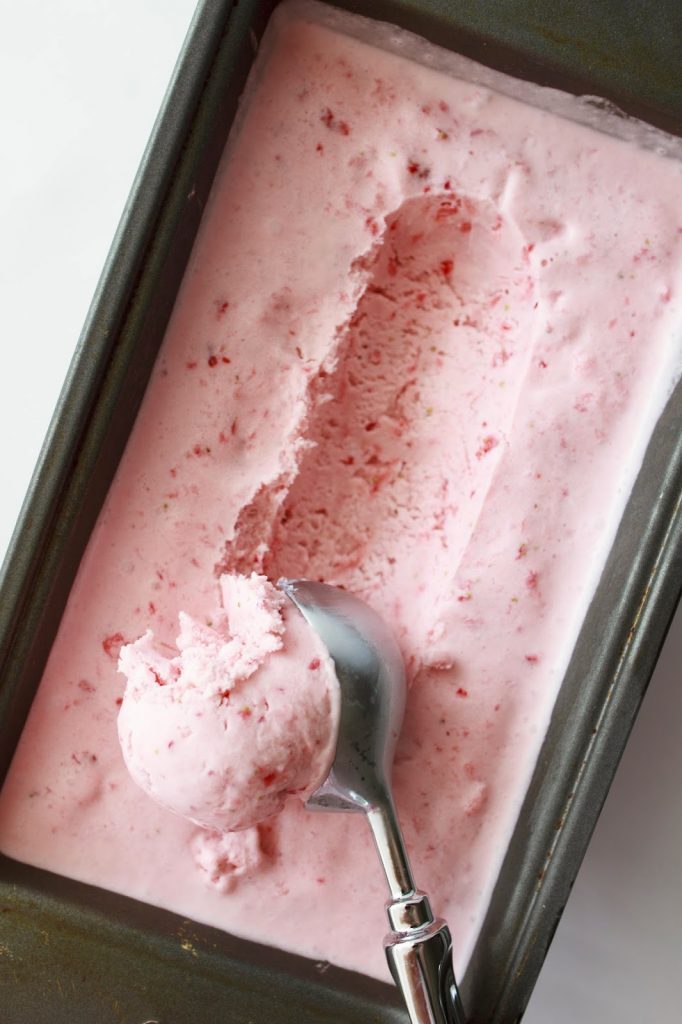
point(111, 645)
point(84, 757)
point(487, 445)
point(448, 208)
point(329, 121)
point(584, 402)
point(199, 450)
point(501, 357)
point(418, 170)
point(314, 664)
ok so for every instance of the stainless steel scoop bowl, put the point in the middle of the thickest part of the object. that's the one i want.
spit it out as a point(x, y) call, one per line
point(371, 675)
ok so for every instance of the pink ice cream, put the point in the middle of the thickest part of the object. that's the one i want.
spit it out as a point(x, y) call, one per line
point(421, 345)
point(227, 857)
point(245, 714)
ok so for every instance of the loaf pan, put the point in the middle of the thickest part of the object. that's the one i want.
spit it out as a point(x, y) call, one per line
point(73, 953)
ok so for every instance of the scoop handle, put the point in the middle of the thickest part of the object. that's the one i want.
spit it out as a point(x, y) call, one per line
point(419, 954)
point(419, 946)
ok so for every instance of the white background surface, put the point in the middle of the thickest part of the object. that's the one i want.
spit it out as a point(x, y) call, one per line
point(80, 84)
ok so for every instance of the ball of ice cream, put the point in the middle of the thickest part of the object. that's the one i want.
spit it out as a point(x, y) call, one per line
point(244, 714)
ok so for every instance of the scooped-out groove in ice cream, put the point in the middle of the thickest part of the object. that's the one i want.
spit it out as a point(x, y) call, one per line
point(444, 324)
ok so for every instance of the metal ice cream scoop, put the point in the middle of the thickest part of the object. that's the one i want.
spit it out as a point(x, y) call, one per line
point(371, 675)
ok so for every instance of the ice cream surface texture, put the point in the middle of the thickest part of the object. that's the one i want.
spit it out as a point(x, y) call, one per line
point(420, 347)
point(245, 714)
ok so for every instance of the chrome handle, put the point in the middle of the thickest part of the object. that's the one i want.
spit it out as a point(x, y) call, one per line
point(419, 954)
point(418, 947)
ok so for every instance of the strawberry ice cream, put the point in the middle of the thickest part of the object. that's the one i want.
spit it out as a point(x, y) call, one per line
point(426, 331)
point(227, 857)
point(245, 714)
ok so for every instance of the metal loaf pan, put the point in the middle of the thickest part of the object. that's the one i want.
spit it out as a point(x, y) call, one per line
point(73, 953)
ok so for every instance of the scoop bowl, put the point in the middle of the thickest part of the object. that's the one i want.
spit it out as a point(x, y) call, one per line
point(371, 675)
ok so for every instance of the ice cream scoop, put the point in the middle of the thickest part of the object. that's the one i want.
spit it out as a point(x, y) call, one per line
point(371, 675)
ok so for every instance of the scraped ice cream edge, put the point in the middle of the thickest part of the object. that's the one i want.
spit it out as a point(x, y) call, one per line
point(592, 111)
